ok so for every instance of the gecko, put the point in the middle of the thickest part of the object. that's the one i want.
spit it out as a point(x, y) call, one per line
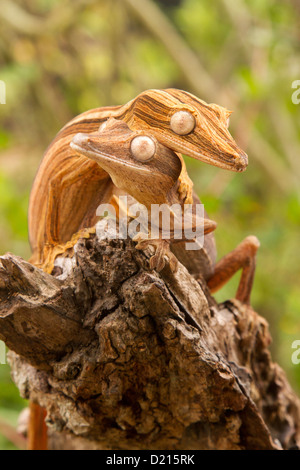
point(82, 169)
point(69, 187)
point(139, 165)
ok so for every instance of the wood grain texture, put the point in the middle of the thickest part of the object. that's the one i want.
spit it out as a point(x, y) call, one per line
point(165, 366)
point(70, 185)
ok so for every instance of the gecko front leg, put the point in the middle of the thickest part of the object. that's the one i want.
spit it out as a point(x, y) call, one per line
point(162, 250)
point(162, 245)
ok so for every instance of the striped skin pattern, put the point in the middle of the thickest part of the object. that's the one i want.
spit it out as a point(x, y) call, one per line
point(69, 187)
point(209, 142)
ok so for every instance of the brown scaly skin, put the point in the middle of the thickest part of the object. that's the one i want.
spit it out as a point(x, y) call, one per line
point(159, 180)
point(69, 187)
point(71, 184)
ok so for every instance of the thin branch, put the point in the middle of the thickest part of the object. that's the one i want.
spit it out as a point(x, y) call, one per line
point(34, 25)
point(21, 19)
point(286, 133)
point(184, 57)
point(241, 18)
point(10, 433)
point(267, 157)
point(202, 83)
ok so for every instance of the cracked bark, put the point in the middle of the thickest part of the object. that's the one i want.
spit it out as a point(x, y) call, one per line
point(125, 358)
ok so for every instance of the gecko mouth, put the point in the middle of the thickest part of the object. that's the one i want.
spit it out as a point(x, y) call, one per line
point(83, 144)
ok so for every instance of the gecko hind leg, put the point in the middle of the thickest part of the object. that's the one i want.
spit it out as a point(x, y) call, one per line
point(242, 257)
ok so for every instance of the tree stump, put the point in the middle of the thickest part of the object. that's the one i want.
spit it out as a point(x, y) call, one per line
point(122, 357)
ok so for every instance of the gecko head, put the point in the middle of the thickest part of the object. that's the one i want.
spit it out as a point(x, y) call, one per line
point(186, 124)
point(136, 162)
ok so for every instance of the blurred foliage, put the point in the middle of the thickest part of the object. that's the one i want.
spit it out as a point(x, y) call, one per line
point(60, 58)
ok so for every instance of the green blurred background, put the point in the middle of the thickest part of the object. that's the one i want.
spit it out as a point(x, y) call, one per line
point(59, 58)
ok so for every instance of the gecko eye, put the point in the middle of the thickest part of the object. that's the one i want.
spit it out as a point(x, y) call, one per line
point(143, 148)
point(182, 122)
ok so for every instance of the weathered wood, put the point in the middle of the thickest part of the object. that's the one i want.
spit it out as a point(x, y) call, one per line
point(38, 315)
point(125, 358)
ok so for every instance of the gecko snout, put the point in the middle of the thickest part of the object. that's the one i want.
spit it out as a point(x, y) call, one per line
point(79, 140)
point(241, 161)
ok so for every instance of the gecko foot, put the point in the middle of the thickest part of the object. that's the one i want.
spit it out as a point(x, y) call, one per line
point(162, 250)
